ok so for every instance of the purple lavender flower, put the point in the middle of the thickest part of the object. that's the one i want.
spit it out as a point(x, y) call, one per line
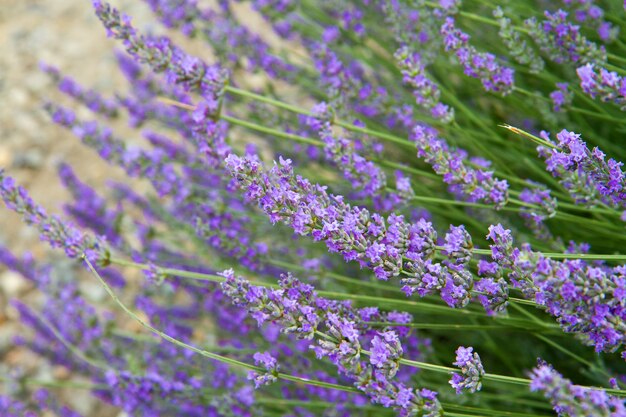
point(470, 378)
point(484, 66)
point(585, 299)
point(346, 83)
point(607, 85)
point(11, 407)
point(475, 184)
point(573, 162)
point(458, 245)
point(162, 56)
point(492, 290)
point(231, 40)
point(269, 364)
point(543, 207)
point(137, 162)
point(453, 282)
point(352, 231)
point(386, 352)
point(90, 98)
point(52, 229)
point(589, 13)
point(363, 174)
point(573, 400)
point(281, 14)
point(425, 91)
point(562, 41)
point(298, 309)
point(561, 97)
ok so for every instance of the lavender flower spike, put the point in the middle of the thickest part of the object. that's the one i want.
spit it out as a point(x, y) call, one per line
point(484, 66)
point(267, 362)
point(475, 184)
point(425, 90)
point(586, 299)
point(573, 156)
point(299, 310)
point(562, 41)
point(52, 229)
point(470, 378)
point(572, 400)
point(363, 174)
point(607, 85)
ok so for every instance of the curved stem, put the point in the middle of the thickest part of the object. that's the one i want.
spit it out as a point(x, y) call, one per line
point(205, 353)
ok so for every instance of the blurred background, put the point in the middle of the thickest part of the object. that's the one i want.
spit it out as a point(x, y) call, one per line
point(66, 34)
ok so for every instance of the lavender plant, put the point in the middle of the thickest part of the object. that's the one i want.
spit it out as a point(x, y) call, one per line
point(402, 248)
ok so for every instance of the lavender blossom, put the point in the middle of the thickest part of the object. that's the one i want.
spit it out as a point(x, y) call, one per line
point(562, 41)
point(458, 245)
point(269, 364)
point(573, 400)
point(590, 166)
point(470, 378)
point(298, 309)
point(453, 282)
point(230, 39)
point(363, 174)
point(484, 66)
point(154, 165)
point(369, 239)
point(90, 98)
point(162, 56)
point(56, 232)
point(607, 85)
point(492, 290)
point(386, 353)
point(543, 207)
point(561, 97)
point(589, 13)
point(585, 299)
point(475, 184)
point(425, 91)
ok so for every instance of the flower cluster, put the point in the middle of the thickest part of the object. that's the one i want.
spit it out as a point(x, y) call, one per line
point(561, 97)
point(369, 239)
point(349, 339)
point(562, 41)
point(484, 66)
point(90, 98)
point(56, 232)
point(269, 365)
point(607, 85)
point(297, 309)
point(586, 299)
point(519, 49)
point(591, 166)
point(475, 184)
point(572, 400)
point(363, 174)
point(541, 206)
point(470, 378)
point(425, 90)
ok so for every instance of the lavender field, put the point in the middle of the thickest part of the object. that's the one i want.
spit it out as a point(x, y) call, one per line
point(313, 208)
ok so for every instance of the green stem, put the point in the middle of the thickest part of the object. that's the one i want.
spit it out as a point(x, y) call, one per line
point(380, 301)
point(205, 353)
point(69, 346)
point(438, 326)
